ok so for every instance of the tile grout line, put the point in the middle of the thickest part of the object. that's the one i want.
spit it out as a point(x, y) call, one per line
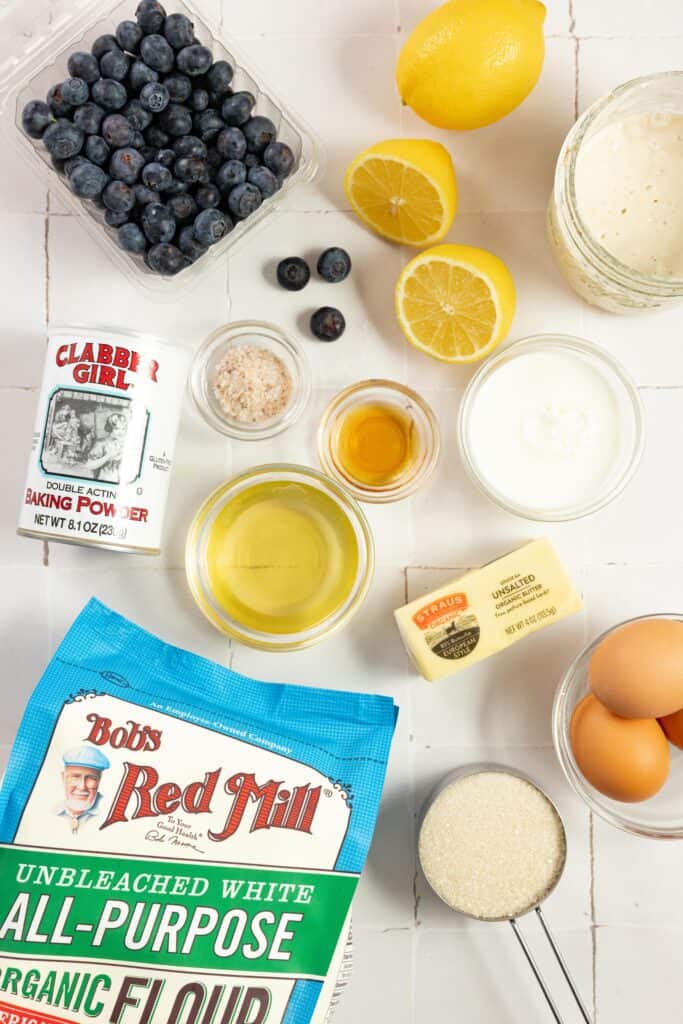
point(594, 935)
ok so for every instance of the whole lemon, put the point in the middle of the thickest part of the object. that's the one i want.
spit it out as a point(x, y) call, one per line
point(470, 62)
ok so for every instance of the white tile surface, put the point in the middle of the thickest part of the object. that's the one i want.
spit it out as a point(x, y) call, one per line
point(382, 983)
point(612, 18)
point(22, 272)
point(638, 973)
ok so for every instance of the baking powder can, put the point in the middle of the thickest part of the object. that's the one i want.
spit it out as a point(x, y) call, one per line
point(104, 439)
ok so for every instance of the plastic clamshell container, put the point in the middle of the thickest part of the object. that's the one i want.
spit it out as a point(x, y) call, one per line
point(37, 39)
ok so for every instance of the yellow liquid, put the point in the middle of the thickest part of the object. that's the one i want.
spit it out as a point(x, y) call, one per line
point(281, 557)
point(376, 444)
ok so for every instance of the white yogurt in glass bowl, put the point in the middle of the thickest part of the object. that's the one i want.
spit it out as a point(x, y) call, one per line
point(551, 428)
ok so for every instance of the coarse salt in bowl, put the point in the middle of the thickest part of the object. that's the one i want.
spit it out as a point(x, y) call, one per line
point(250, 381)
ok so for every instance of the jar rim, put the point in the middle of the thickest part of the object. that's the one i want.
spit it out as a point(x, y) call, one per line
point(564, 194)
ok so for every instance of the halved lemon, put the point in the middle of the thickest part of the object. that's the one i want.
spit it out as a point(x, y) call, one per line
point(404, 189)
point(455, 302)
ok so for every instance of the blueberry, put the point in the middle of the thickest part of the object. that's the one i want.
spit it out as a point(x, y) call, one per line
point(179, 31)
point(87, 180)
point(151, 16)
point(219, 77)
point(140, 74)
point(194, 60)
point(236, 109)
point(57, 103)
point(145, 195)
point(115, 64)
point(179, 87)
point(35, 118)
point(156, 176)
point(73, 162)
point(231, 174)
point(139, 118)
point(84, 65)
point(176, 120)
point(214, 160)
point(63, 139)
point(166, 259)
point(109, 93)
point(128, 36)
point(207, 197)
point(279, 158)
point(118, 197)
point(126, 164)
point(328, 324)
point(96, 149)
point(104, 44)
point(156, 52)
point(183, 207)
point(154, 97)
point(154, 136)
point(334, 265)
point(131, 238)
point(139, 144)
point(259, 133)
point(265, 181)
point(191, 169)
point(177, 188)
point(189, 145)
point(115, 220)
point(189, 245)
point(243, 200)
point(89, 118)
point(199, 100)
point(208, 124)
point(164, 156)
point(231, 144)
point(293, 273)
point(57, 164)
point(251, 160)
point(158, 223)
point(210, 226)
point(117, 131)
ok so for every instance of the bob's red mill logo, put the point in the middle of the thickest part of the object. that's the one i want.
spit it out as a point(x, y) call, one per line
point(108, 365)
point(142, 794)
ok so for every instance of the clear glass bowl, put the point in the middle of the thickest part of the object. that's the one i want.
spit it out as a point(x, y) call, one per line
point(259, 335)
point(661, 817)
point(46, 38)
point(625, 392)
point(196, 557)
point(386, 392)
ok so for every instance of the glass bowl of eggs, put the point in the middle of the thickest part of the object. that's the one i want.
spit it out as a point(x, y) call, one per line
point(618, 725)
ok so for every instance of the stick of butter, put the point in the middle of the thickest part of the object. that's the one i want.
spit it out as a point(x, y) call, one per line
point(486, 610)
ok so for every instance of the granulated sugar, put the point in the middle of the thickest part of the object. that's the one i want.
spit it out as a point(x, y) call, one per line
point(252, 384)
point(492, 845)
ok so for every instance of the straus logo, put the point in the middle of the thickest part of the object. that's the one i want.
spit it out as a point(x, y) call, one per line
point(265, 805)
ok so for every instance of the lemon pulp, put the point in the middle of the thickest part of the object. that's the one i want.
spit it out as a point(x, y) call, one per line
point(281, 557)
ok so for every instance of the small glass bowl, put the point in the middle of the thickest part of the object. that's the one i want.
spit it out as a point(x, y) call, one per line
point(625, 392)
point(660, 817)
point(197, 570)
point(259, 335)
point(387, 392)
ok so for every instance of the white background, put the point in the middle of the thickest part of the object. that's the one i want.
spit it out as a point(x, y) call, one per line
point(618, 909)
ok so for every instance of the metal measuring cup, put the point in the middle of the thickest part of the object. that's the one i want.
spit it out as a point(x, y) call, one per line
point(535, 906)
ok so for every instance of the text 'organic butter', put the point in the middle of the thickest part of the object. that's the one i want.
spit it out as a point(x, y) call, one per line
point(486, 610)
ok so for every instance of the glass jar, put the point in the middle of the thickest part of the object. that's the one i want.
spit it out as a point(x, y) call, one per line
point(589, 268)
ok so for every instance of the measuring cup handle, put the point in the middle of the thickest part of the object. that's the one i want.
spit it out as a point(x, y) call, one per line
point(563, 967)
point(536, 971)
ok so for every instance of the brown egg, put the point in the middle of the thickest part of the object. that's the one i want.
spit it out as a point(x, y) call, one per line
point(627, 759)
point(673, 727)
point(637, 671)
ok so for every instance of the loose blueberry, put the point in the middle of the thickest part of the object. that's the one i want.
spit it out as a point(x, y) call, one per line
point(117, 131)
point(176, 120)
point(293, 273)
point(194, 60)
point(151, 16)
point(259, 133)
point(236, 109)
point(188, 244)
point(154, 97)
point(109, 93)
point(208, 124)
point(251, 160)
point(179, 31)
point(265, 181)
point(158, 223)
point(89, 118)
point(118, 197)
point(115, 220)
point(115, 64)
point(279, 158)
point(156, 176)
point(192, 169)
point(84, 65)
point(231, 144)
point(63, 139)
point(104, 44)
point(35, 118)
point(154, 136)
point(166, 259)
point(328, 323)
point(199, 100)
point(132, 239)
point(231, 174)
point(334, 265)
point(164, 156)
point(144, 195)
point(189, 145)
point(156, 52)
point(207, 197)
point(126, 164)
point(128, 36)
point(97, 150)
point(219, 77)
point(244, 200)
point(183, 207)
point(57, 103)
point(140, 74)
point(140, 118)
point(179, 87)
point(87, 180)
point(210, 226)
